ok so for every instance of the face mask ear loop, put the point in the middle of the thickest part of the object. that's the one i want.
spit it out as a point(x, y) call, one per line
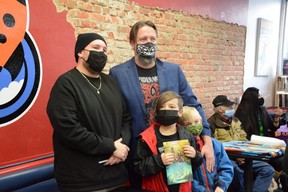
point(219, 109)
point(83, 57)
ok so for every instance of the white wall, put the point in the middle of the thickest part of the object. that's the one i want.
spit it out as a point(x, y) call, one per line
point(270, 10)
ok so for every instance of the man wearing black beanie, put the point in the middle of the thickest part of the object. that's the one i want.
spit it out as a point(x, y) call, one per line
point(90, 121)
point(83, 40)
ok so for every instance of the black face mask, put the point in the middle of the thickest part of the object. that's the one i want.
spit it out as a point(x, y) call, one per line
point(147, 50)
point(96, 60)
point(260, 101)
point(167, 117)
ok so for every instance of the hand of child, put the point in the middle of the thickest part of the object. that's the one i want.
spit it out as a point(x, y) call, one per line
point(189, 151)
point(167, 158)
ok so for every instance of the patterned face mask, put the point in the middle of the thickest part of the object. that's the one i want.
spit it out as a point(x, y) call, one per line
point(195, 129)
point(147, 50)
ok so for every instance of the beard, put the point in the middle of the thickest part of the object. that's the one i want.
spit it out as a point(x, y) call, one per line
point(146, 61)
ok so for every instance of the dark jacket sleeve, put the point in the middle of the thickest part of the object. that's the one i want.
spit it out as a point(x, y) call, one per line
point(267, 120)
point(145, 162)
point(185, 134)
point(285, 160)
point(126, 132)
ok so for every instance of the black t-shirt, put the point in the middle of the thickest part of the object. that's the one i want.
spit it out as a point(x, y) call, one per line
point(160, 139)
point(150, 88)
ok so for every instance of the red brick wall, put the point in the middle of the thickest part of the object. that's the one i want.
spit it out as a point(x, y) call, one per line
point(211, 53)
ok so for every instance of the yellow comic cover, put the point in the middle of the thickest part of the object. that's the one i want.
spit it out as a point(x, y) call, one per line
point(180, 170)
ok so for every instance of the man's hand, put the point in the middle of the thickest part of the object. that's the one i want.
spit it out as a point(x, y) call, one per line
point(208, 152)
point(218, 189)
point(112, 160)
point(121, 151)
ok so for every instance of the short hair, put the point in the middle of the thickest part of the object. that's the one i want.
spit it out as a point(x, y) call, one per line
point(187, 112)
point(167, 96)
point(135, 28)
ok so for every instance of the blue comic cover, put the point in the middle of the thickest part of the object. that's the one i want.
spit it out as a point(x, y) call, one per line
point(180, 171)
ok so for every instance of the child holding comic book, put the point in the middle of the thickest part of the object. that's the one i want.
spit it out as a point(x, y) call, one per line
point(150, 161)
point(222, 175)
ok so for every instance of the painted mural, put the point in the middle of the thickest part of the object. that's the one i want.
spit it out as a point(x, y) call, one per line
point(32, 34)
point(20, 66)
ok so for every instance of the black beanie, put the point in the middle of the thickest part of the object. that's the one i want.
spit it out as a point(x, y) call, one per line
point(83, 40)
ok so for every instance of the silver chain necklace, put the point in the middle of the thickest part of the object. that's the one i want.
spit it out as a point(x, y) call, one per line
point(97, 89)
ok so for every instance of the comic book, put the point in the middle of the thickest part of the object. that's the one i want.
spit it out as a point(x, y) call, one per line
point(180, 170)
point(251, 149)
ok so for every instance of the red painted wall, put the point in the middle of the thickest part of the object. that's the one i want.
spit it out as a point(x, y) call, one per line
point(231, 11)
point(31, 136)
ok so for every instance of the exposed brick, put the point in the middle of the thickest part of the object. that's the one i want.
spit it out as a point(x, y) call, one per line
point(210, 53)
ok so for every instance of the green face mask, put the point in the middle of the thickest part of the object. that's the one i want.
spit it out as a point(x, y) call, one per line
point(195, 129)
